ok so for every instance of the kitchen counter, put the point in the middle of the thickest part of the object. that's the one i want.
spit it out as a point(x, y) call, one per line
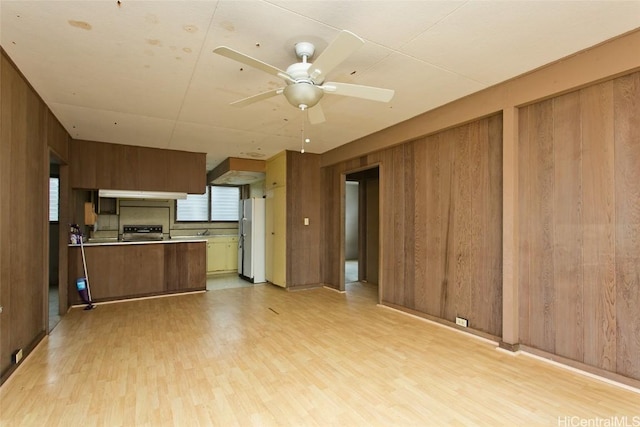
point(122, 270)
point(106, 242)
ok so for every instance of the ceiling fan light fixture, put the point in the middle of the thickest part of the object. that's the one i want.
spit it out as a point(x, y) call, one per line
point(303, 94)
point(305, 81)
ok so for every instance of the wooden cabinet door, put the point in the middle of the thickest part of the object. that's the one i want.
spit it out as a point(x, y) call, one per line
point(222, 254)
point(276, 171)
point(210, 257)
point(232, 255)
point(97, 165)
point(269, 236)
point(219, 252)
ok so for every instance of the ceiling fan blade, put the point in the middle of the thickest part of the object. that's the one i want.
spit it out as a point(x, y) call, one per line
point(315, 115)
point(255, 98)
point(252, 62)
point(338, 50)
point(358, 91)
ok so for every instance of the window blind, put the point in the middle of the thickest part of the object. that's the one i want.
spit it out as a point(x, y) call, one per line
point(225, 203)
point(194, 208)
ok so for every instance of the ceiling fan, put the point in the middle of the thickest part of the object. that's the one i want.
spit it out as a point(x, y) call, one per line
point(305, 84)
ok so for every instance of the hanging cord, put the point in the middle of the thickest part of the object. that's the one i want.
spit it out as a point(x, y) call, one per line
point(304, 119)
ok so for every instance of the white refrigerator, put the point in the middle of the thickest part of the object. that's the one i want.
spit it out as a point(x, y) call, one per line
point(251, 237)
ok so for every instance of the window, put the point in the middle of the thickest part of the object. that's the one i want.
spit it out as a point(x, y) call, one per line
point(224, 203)
point(217, 204)
point(194, 208)
point(54, 195)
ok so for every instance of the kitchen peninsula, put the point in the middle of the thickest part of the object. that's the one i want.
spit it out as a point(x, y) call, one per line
point(122, 270)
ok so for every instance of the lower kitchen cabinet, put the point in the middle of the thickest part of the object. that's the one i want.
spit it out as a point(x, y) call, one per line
point(129, 270)
point(222, 254)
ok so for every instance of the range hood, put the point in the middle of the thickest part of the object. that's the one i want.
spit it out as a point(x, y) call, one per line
point(132, 194)
point(236, 171)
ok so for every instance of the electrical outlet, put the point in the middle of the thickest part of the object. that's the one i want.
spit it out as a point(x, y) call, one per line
point(17, 356)
point(461, 321)
point(306, 221)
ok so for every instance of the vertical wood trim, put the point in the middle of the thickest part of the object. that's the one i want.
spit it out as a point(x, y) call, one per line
point(510, 225)
point(519, 233)
point(409, 223)
point(421, 214)
point(462, 238)
point(627, 246)
point(567, 233)
point(598, 194)
point(373, 221)
point(435, 222)
point(541, 229)
point(387, 226)
point(446, 157)
point(341, 228)
point(480, 292)
point(399, 234)
point(362, 230)
point(493, 233)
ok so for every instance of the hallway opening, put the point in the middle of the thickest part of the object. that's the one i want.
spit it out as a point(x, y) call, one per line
point(361, 239)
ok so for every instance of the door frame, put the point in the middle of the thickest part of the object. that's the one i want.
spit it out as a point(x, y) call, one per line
point(63, 247)
point(343, 203)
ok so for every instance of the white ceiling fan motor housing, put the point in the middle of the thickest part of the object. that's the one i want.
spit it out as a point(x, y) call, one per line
point(299, 71)
point(303, 94)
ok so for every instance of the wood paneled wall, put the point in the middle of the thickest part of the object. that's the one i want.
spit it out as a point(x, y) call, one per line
point(57, 138)
point(579, 186)
point(441, 219)
point(27, 127)
point(303, 201)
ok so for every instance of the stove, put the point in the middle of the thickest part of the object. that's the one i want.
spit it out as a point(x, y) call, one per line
point(141, 233)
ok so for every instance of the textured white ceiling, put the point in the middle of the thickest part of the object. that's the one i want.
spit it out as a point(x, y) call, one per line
point(143, 72)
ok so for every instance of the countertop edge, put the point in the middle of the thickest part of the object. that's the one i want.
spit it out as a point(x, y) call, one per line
point(154, 242)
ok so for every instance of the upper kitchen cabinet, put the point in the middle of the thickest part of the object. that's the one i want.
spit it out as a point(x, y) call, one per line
point(98, 165)
point(276, 171)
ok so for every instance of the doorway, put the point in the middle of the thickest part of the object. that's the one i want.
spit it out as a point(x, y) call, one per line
point(54, 244)
point(351, 252)
point(361, 225)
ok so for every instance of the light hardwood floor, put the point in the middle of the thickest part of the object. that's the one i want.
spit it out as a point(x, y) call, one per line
point(263, 356)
